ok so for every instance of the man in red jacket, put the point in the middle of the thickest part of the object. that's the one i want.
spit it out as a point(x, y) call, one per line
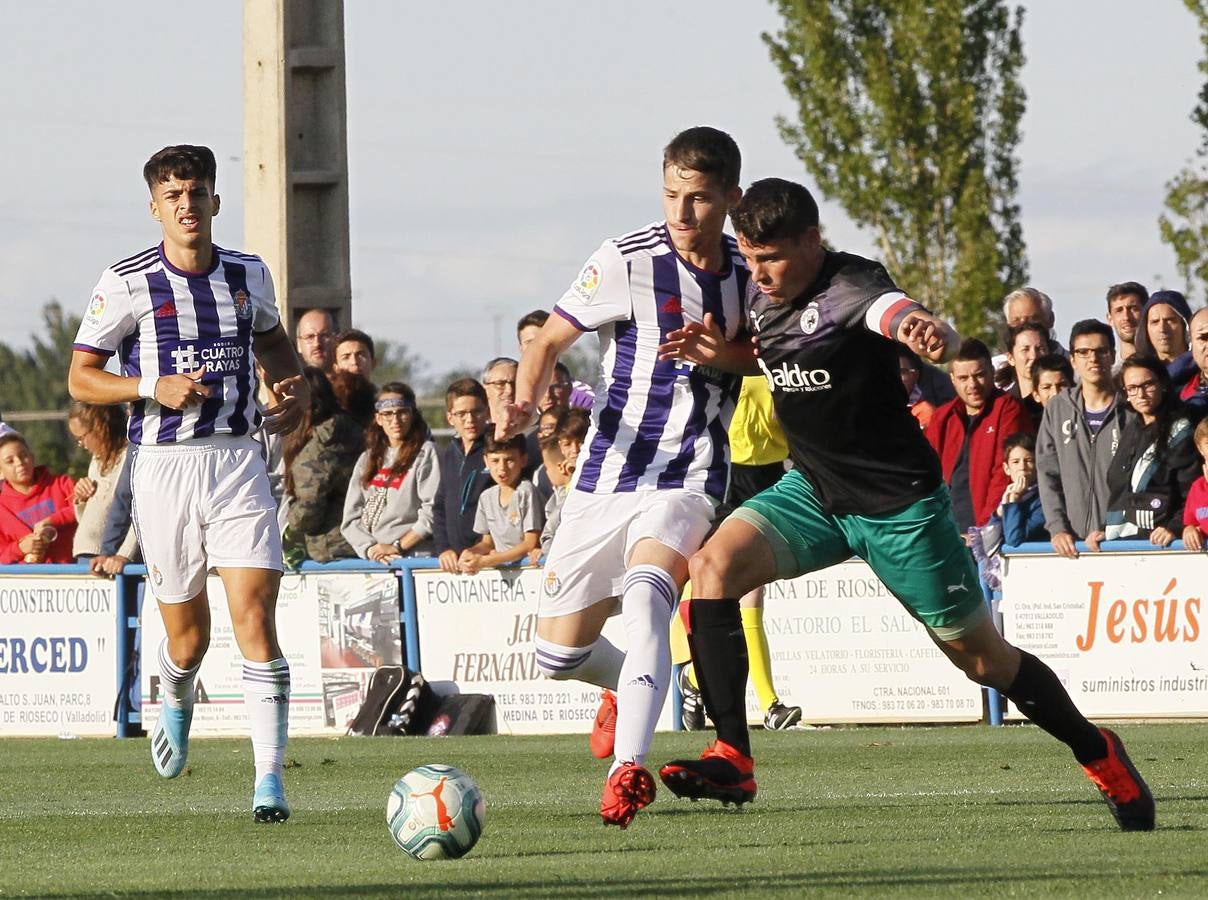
point(968, 433)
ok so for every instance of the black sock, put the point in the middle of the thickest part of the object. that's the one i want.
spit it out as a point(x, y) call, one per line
point(1038, 694)
point(719, 652)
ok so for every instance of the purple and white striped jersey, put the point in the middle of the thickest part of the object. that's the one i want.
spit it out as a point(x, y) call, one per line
point(656, 424)
point(162, 321)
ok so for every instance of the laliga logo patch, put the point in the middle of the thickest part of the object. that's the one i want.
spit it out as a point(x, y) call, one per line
point(96, 306)
point(588, 282)
point(809, 319)
point(552, 584)
point(243, 306)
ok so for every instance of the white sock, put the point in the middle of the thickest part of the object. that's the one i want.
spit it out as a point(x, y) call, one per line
point(266, 697)
point(599, 664)
point(175, 683)
point(647, 602)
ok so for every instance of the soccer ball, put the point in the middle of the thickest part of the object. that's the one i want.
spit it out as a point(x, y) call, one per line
point(435, 812)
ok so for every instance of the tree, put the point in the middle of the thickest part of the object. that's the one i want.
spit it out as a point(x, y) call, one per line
point(36, 379)
point(396, 362)
point(1185, 227)
point(908, 116)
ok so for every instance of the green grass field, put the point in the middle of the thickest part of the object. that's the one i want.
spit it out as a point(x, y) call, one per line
point(868, 811)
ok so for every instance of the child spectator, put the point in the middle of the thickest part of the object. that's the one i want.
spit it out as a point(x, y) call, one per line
point(509, 514)
point(1021, 511)
point(319, 456)
point(37, 513)
point(388, 507)
point(101, 430)
point(559, 469)
point(572, 432)
point(1051, 374)
point(463, 474)
point(1195, 512)
point(547, 425)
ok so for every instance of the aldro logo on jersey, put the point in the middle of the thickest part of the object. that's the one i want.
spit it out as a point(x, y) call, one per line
point(794, 379)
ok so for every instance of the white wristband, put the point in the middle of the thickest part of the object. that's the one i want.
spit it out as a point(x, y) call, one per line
point(146, 386)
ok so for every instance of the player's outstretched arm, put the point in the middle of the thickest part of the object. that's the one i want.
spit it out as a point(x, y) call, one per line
point(533, 376)
point(88, 382)
point(929, 336)
point(704, 343)
point(283, 372)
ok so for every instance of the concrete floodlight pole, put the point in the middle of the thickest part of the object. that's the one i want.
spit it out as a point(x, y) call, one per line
point(295, 127)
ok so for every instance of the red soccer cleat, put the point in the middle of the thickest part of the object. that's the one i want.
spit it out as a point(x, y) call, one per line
point(1122, 786)
point(722, 773)
point(604, 730)
point(626, 790)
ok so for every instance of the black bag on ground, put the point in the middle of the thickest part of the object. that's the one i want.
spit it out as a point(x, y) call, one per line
point(464, 714)
point(397, 702)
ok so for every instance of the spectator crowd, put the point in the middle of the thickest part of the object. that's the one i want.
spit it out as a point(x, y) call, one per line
point(1102, 441)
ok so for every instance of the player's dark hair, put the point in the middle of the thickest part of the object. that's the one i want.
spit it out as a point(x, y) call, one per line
point(1052, 362)
point(465, 387)
point(108, 423)
point(773, 209)
point(708, 151)
point(1092, 326)
point(323, 405)
point(183, 161)
point(376, 442)
point(972, 350)
point(573, 425)
point(516, 442)
point(355, 334)
point(1127, 289)
point(1169, 408)
point(1018, 439)
point(536, 317)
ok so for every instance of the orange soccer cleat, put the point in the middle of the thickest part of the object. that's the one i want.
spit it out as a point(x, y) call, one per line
point(1122, 787)
point(722, 773)
point(626, 790)
point(604, 730)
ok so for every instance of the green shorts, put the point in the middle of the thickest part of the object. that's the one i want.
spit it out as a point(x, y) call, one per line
point(916, 551)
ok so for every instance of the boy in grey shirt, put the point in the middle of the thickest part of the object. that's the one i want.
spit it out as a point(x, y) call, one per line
point(509, 515)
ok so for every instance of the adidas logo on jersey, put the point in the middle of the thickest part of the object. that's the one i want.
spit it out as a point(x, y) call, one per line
point(672, 306)
point(166, 311)
point(794, 378)
point(644, 681)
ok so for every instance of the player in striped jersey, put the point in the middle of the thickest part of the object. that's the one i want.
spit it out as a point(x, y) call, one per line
point(188, 320)
point(654, 464)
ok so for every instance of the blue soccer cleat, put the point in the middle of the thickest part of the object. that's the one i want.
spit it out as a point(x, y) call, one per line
point(170, 740)
point(268, 803)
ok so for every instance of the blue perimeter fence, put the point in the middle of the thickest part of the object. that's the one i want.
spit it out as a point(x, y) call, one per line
point(131, 586)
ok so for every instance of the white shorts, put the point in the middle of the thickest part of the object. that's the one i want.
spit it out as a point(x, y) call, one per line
point(586, 562)
point(202, 504)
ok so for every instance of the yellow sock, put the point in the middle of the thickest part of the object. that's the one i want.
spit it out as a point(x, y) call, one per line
point(761, 659)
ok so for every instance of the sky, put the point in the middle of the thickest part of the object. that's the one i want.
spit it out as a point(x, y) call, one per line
point(492, 147)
